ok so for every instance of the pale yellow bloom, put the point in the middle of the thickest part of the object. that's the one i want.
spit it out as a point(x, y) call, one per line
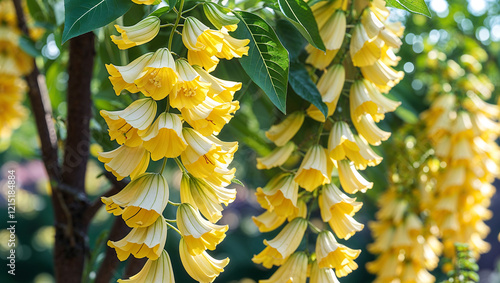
point(333, 203)
point(201, 267)
point(340, 139)
point(198, 233)
point(283, 245)
point(365, 156)
point(220, 90)
point(232, 47)
point(373, 26)
point(205, 196)
point(350, 179)
point(281, 133)
point(315, 169)
point(125, 161)
point(154, 271)
point(293, 270)
point(365, 98)
point(382, 75)
point(153, 74)
point(331, 254)
point(280, 195)
point(142, 242)
point(330, 87)
point(164, 138)
point(141, 202)
point(318, 58)
point(277, 157)
point(124, 124)
point(345, 226)
point(189, 90)
point(268, 221)
point(145, 2)
point(322, 275)
point(366, 127)
point(140, 33)
point(363, 50)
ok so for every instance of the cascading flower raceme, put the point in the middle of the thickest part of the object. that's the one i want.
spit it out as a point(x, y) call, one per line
point(353, 75)
point(198, 105)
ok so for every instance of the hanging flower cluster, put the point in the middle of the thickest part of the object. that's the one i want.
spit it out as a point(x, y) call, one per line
point(198, 107)
point(14, 63)
point(462, 128)
point(405, 240)
point(353, 73)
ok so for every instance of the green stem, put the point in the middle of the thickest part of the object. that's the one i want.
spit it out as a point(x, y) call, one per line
point(173, 227)
point(171, 220)
point(192, 8)
point(179, 14)
point(174, 203)
point(163, 166)
point(320, 131)
point(181, 166)
point(313, 227)
point(166, 25)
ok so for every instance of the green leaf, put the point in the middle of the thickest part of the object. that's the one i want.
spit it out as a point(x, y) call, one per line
point(267, 60)
point(161, 11)
point(303, 85)
point(412, 6)
point(28, 46)
point(287, 34)
point(236, 181)
point(85, 16)
point(171, 3)
point(301, 16)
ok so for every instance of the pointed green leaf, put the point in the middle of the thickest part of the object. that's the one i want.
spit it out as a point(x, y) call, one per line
point(267, 60)
point(85, 16)
point(159, 12)
point(301, 16)
point(303, 85)
point(236, 181)
point(412, 6)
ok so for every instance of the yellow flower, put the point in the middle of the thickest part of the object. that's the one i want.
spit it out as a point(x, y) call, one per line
point(190, 90)
point(281, 133)
point(198, 233)
point(142, 242)
point(153, 74)
point(330, 86)
point(164, 138)
point(141, 202)
point(210, 116)
point(232, 47)
point(145, 2)
point(366, 127)
point(277, 157)
point(202, 267)
point(350, 179)
point(219, 16)
point(203, 59)
point(283, 245)
point(220, 90)
point(364, 51)
point(373, 26)
point(205, 196)
point(315, 169)
point(125, 161)
point(318, 58)
point(154, 271)
point(322, 275)
point(382, 75)
point(333, 203)
point(198, 37)
point(331, 254)
point(344, 225)
point(280, 195)
point(140, 33)
point(124, 124)
point(268, 221)
point(293, 270)
point(341, 139)
point(365, 156)
point(204, 155)
point(383, 103)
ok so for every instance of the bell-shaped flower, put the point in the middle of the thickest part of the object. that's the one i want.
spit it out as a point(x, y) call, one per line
point(462, 126)
point(220, 16)
point(124, 124)
point(141, 202)
point(382, 75)
point(320, 59)
point(280, 195)
point(350, 179)
point(361, 103)
point(373, 26)
point(277, 157)
point(220, 90)
point(384, 104)
point(268, 221)
point(365, 156)
point(205, 196)
point(333, 31)
point(125, 161)
point(164, 138)
point(331, 254)
point(283, 245)
point(190, 90)
point(198, 37)
point(341, 139)
point(293, 270)
point(140, 33)
point(145, 2)
point(333, 203)
point(153, 74)
point(154, 271)
point(198, 233)
point(330, 87)
point(366, 127)
point(322, 275)
point(281, 133)
point(344, 225)
point(204, 155)
point(232, 47)
point(201, 267)
point(315, 169)
point(203, 59)
point(142, 242)
point(210, 116)
point(364, 51)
